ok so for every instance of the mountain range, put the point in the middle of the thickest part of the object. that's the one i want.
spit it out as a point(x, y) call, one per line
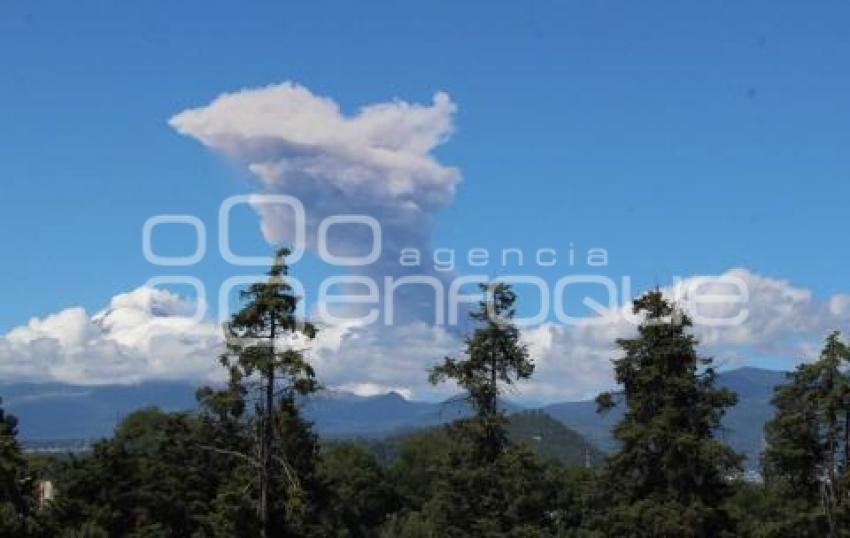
point(53, 412)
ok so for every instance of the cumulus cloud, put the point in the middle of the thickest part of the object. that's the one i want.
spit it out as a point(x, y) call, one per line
point(151, 334)
point(144, 334)
point(573, 362)
point(780, 316)
point(782, 322)
point(377, 162)
point(379, 358)
point(294, 139)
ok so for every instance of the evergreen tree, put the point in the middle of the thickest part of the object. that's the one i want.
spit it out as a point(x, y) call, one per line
point(807, 460)
point(494, 358)
point(17, 503)
point(670, 476)
point(150, 478)
point(11, 462)
point(487, 487)
point(268, 370)
point(227, 435)
point(362, 494)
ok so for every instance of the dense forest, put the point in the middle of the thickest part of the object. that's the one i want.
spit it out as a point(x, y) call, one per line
point(248, 464)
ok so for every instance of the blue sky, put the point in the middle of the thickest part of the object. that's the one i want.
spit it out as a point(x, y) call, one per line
point(683, 137)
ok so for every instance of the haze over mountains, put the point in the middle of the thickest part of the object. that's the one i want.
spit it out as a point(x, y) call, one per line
point(57, 412)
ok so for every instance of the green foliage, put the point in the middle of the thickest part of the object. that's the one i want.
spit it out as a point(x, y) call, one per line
point(494, 357)
point(300, 498)
point(268, 369)
point(12, 470)
point(510, 496)
point(416, 466)
point(410, 525)
point(155, 478)
point(248, 464)
point(254, 332)
point(517, 495)
point(548, 438)
point(807, 460)
point(18, 517)
point(361, 491)
point(485, 486)
point(670, 477)
point(551, 440)
point(150, 475)
point(245, 466)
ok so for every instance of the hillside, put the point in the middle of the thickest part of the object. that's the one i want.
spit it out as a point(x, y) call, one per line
point(550, 439)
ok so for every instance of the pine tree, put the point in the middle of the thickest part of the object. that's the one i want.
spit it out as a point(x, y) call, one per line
point(17, 503)
point(807, 461)
point(267, 367)
point(11, 461)
point(670, 476)
point(494, 358)
point(487, 486)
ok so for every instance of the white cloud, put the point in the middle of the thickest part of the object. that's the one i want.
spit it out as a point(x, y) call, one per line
point(574, 361)
point(783, 322)
point(296, 140)
point(377, 162)
point(144, 334)
point(839, 305)
point(150, 334)
point(395, 357)
point(374, 389)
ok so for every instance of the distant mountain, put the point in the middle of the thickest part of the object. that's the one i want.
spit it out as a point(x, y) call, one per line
point(582, 417)
point(54, 411)
point(48, 411)
point(742, 425)
point(341, 414)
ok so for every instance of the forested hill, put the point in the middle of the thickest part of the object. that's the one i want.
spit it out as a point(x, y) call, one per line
point(550, 439)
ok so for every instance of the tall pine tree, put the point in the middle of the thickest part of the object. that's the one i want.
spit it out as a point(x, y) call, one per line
point(807, 460)
point(495, 359)
point(17, 503)
point(268, 371)
point(487, 486)
point(670, 475)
